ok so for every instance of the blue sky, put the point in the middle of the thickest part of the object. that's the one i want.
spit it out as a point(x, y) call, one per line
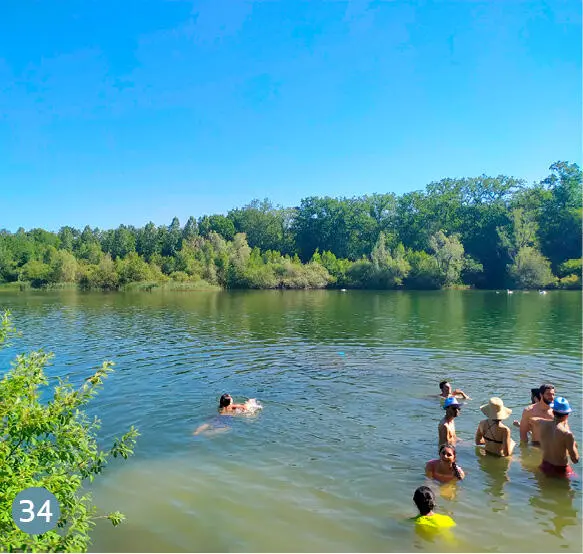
point(136, 111)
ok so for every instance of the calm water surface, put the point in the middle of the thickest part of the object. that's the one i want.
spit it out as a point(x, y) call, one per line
point(349, 420)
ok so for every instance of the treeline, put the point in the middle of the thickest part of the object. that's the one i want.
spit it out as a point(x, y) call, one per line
point(484, 232)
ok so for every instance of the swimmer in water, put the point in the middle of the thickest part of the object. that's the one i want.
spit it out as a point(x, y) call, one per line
point(228, 407)
point(446, 427)
point(425, 501)
point(447, 391)
point(445, 468)
point(557, 441)
point(534, 398)
point(491, 432)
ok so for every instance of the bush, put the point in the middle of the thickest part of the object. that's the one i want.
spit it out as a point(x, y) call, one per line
point(570, 282)
point(51, 445)
point(531, 269)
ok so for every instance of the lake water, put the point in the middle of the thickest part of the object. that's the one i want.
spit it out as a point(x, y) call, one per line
point(348, 382)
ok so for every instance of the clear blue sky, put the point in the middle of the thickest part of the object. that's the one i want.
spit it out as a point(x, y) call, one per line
point(135, 110)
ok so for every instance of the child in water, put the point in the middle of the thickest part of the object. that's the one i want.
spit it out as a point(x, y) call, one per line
point(445, 468)
point(425, 501)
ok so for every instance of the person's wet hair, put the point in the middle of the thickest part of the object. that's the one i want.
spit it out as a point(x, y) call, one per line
point(559, 415)
point(450, 446)
point(544, 388)
point(424, 500)
point(442, 384)
point(225, 400)
point(535, 395)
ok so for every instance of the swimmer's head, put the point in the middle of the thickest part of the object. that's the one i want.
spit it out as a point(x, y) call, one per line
point(424, 500)
point(447, 452)
point(445, 387)
point(534, 395)
point(225, 400)
point(547, 393)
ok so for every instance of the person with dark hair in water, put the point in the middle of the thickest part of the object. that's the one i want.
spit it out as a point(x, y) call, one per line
point(425, 501)
point(541, 410)
point(534, 398)
point(446, 427)
point(447, 391)
point(444, 468)
point(228, 407)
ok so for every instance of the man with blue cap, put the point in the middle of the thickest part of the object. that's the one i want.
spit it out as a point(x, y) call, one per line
point(446, 427)
point(557, 441)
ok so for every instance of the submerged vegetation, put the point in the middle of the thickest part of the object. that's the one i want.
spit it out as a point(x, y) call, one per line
point(484, 232)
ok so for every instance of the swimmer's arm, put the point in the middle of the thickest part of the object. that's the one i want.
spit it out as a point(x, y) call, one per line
point(459, 392)
point(428, 469)
point(479, 435)
point(572, 448)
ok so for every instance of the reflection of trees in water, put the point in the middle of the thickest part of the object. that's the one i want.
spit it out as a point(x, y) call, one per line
point(496, 470)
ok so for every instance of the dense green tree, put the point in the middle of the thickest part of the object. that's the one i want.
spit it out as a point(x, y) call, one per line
point(481, 231)
point(190, 230)
point(219, 224)
point(530, 269)
point(561, 217)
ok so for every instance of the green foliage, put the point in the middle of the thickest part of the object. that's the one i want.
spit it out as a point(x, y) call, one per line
point(457, 231)
point(530, 269)
point(53, 445)
point(449, 256)
point(571, 267)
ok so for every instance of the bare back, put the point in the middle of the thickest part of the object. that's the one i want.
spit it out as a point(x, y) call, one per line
point(557, 442)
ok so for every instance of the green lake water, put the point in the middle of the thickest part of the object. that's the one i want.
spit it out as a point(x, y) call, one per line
point(348, 382)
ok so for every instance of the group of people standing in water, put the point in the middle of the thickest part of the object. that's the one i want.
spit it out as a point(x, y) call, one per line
point(545, 420)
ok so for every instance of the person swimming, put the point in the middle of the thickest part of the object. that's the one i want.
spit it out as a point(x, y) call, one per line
point(227, 406)
point(425, 501)
point(447, 391)
point(445, 468)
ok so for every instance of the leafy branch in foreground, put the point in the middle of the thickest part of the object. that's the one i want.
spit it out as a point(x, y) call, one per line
point(51, 445)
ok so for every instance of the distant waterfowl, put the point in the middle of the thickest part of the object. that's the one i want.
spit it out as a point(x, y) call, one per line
point(542, 291)
point(510, 291)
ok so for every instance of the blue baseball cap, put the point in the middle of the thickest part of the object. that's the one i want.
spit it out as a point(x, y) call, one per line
point(451, 401)
point(561, 405)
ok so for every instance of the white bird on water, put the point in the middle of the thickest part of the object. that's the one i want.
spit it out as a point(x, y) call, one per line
point(510, 291)
point(542, 291)
point(342, 290)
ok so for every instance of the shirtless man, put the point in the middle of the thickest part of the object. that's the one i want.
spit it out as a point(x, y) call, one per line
point(446, 427)
point(447, 391)
point(540, 409)
point(557, 441)
point(534, 398)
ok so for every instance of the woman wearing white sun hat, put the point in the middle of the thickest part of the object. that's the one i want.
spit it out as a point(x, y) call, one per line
point(491, 432)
